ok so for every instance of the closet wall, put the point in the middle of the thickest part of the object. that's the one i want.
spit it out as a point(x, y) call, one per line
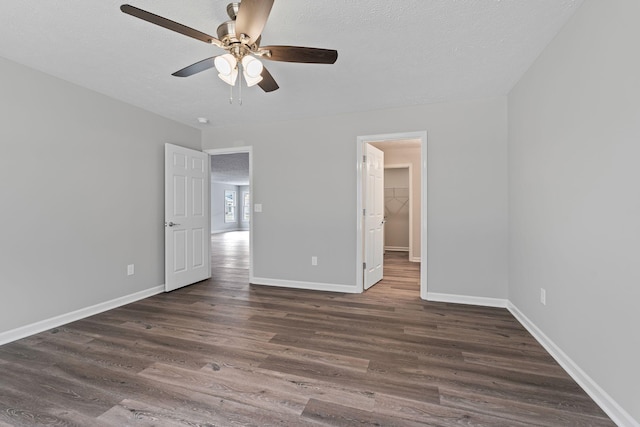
point(404, 156)
point(396, 209)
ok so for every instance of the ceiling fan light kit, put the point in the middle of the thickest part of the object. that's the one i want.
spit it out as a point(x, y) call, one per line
point(240, 37)
point(252, 66)
point(229, 78)
point(225, 63)
point(252, 70)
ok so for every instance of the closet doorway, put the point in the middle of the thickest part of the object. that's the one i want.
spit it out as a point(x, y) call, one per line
point(402, 195)
point(406, 203)
point(398, 214)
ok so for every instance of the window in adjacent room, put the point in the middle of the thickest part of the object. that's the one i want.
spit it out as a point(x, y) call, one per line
point(246, 206)
point(229, 206)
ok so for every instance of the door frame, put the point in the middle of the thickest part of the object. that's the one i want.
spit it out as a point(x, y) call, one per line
point(360, 142)
point(235, 150)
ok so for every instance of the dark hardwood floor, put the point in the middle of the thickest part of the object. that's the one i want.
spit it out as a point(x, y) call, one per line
point(226, 353)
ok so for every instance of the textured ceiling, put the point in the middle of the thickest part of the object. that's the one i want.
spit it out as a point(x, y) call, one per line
point(230, 169)
point(391, 53)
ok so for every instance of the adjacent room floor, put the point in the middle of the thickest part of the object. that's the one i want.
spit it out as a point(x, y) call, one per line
point(223, 352)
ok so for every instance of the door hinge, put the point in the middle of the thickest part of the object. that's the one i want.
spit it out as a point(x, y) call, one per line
point(364, 212)
point(364, 159)
point(364, 265)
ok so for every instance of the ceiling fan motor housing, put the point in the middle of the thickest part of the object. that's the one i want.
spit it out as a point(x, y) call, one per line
point(228, 29)
point(232, 10)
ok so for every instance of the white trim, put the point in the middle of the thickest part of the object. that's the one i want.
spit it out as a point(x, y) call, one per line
point(229, 150)
point(314, 286)
point(465, 299)
point(423, 217)
point(415, 259)
point(601, 397)
point(233, 150)
point(396, 248)
point(53, 322)
point(360, 141)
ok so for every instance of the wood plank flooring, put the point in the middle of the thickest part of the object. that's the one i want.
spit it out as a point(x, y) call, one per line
point(226, 353)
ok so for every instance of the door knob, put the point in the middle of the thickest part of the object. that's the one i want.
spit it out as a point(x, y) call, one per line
point(170, 224)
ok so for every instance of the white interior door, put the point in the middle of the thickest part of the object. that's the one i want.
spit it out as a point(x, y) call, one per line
point(186, 213)
point(373, 215)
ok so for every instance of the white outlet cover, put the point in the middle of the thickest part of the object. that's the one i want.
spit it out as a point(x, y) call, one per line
point(257, 207)
point(130, 270)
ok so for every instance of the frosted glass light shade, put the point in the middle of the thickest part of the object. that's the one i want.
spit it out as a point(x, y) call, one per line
point(225, 64)
point(252, 66)
point(251, 81)
point(230, 78)
point(251, 70)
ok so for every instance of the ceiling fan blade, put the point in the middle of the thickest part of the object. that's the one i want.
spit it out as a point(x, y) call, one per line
point(308, 55)
point(252, 17)
point(268, 84)
point(192, 69)
point(169, 24)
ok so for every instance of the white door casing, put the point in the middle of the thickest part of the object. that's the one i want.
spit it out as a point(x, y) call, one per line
point(373, 192)
point(360, 147)
point(252, 222)
point(187, 223)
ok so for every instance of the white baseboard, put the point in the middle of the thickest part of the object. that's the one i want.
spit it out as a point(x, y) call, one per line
point(599, 396)
point(416, 259)
point(327, 287)
point(464, 299)
point(604, 400)
point(619, 416)
point(43, 325)
point(396, 248)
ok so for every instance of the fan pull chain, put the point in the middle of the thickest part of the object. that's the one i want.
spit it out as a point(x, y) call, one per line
point(240, 84)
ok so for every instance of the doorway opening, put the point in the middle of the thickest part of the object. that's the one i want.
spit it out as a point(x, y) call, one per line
point(405, 240)
point(398, 209)
point(231, 213)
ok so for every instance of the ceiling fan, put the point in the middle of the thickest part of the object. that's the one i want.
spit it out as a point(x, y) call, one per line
point(240, 37)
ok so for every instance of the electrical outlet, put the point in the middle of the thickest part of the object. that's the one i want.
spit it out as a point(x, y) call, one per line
point(257, 207)
point(543, 296)
point(314, 260)
point(130, 270)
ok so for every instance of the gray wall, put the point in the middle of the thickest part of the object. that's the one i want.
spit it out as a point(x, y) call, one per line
point(90, 200)
point(305, 177)
point(574, 145)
